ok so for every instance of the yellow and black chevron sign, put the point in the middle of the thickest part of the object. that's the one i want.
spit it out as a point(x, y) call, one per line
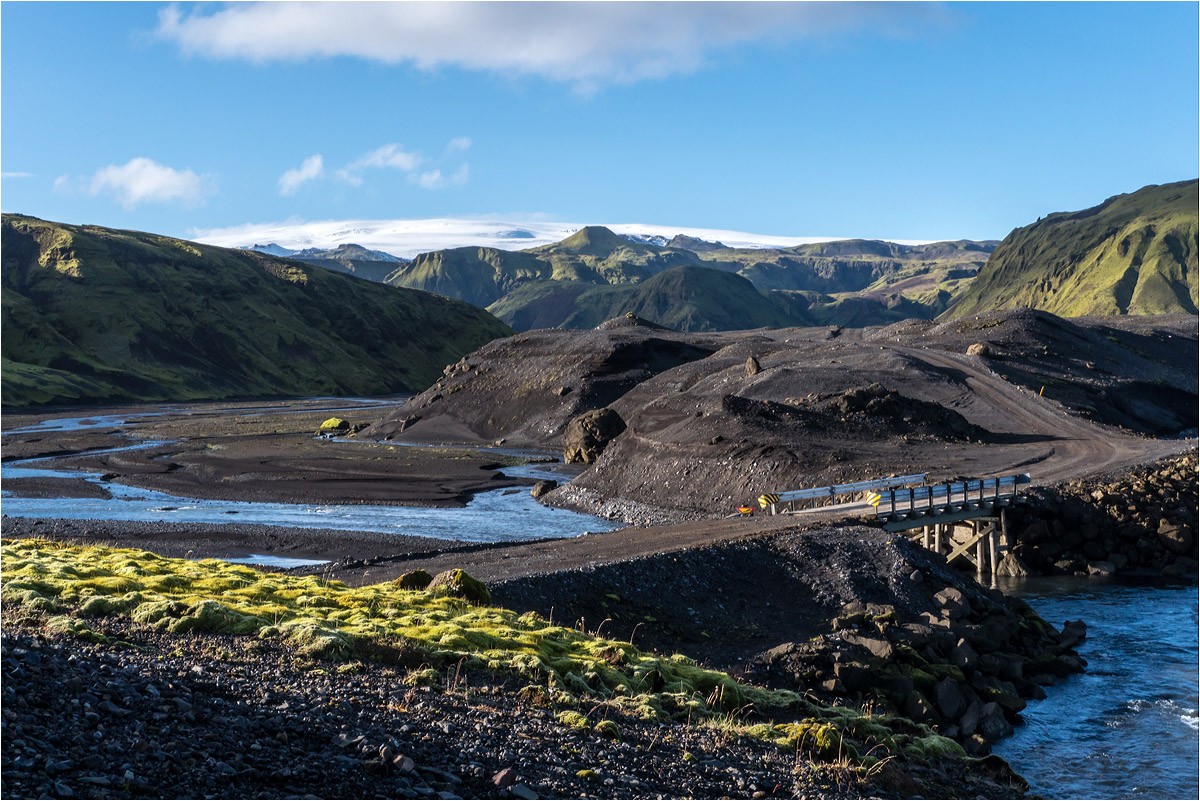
point(874, 498)
point(767, 498)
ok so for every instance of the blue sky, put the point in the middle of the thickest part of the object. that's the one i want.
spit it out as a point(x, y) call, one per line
point(923, 121)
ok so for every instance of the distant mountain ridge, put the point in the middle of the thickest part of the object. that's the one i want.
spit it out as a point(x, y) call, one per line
point(93, 314)
point(563, 284)
point(1132, 254)
point(373, 265)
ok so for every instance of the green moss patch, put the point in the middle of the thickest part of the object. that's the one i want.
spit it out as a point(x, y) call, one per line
point(448, 623)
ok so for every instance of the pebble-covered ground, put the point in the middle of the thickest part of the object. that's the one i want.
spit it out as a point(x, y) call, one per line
point(202, 715)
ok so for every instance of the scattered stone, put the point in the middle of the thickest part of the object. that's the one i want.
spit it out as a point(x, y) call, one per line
point(414, 580)
point(954, 604)
point(752, 367)
point(505, 777)
point(1011, 565)
point(461, 585)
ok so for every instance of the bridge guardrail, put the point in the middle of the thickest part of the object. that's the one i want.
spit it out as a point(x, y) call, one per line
point(894, 502)
point(772, 500)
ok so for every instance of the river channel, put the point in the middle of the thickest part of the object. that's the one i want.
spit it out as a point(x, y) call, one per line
point(1128, 726)
point(502, 515)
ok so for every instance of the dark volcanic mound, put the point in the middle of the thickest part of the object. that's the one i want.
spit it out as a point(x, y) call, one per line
point(525, 389)
point(716, 419)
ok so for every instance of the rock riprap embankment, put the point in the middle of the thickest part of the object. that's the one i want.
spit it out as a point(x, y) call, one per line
point(853, 616)
point(1141, 521)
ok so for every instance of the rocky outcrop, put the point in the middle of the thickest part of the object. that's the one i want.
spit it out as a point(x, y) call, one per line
point(1144, 521)
point(852, 615)
point(589, 433)
point(965, 667)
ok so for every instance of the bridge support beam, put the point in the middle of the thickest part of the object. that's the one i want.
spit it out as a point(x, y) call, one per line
point(981, 544)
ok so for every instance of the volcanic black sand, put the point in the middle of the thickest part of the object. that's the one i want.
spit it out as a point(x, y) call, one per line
point(713, 420)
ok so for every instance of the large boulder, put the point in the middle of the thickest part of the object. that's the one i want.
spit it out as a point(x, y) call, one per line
point(1175, 538)
point(460, 584)
point(589, 433)
point(334, 425)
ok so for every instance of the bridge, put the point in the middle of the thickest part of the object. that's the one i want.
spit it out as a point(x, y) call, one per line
point(957, 519)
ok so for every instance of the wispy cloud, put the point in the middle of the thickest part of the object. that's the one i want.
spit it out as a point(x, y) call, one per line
point(18, 174)
point(142, 180)
point(389, 156)
point(433, 179)
point(312, 168)
point(458, 145)
point(585, 43)
point(412, 164)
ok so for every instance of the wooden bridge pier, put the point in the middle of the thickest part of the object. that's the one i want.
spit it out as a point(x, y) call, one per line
point(986, 536)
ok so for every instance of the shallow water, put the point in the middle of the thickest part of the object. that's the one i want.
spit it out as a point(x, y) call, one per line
point(284, 562)
point(99, 421)
point(502, 515)
point(1128, 726)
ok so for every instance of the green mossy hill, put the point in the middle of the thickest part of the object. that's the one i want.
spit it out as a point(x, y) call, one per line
point(73, 586)
point(685, 299)
point(93, 314)
point(612, 258)
point(477, 275)
point(1132, 254)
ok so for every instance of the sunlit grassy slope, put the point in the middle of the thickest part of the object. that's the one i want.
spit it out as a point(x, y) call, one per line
point(1132, 254)
point(94, 314)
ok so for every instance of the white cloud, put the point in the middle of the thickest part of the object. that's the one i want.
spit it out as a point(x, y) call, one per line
point(387, 156)
point(433, 179)
point(30, 175)
point(144, 181)
point(312, 168)
point(585, 43)
point(393, 156)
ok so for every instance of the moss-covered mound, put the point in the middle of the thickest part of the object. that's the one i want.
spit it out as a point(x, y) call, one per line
point(564, 667)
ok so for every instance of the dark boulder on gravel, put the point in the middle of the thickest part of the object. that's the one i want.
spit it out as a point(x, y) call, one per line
point(589, 433)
